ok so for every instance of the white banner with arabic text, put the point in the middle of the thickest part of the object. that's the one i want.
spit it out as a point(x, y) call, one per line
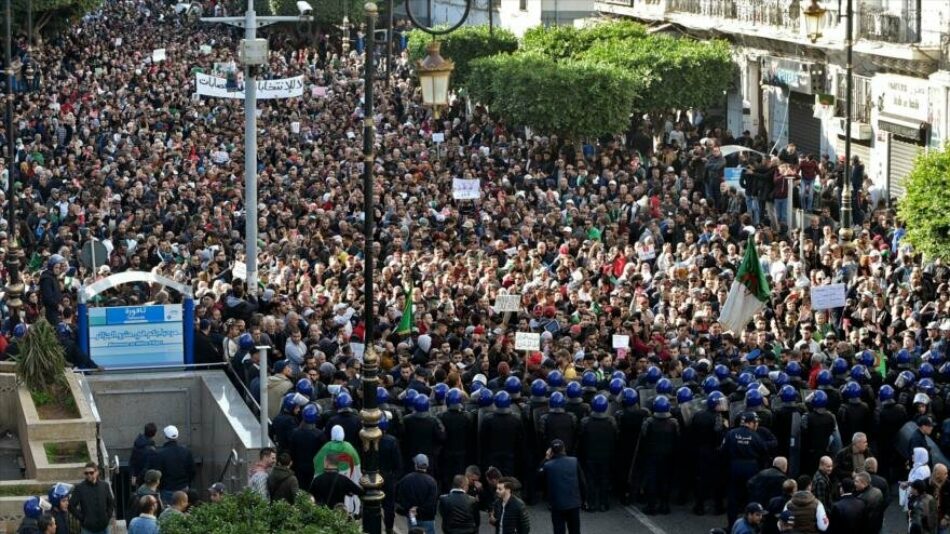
point(266, 89)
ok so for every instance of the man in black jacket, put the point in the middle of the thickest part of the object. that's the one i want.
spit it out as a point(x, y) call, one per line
point(92, 502)
point(849, 513)
point(176, 464)
point(459, 510)
point(508, 513)
point(51, 293)
point(417, 496)
point(767, 483)
point(331, 488)
point(566, 487)
point(142, 450)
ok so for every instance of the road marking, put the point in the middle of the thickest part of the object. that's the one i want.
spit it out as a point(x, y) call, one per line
point(641, 517)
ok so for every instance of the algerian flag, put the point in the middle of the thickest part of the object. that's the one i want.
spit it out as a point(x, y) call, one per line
point(405, 324)
point(748, 294)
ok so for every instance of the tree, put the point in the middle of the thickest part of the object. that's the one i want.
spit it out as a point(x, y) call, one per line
point(925, 208)
point(571, 98)
point(463, 46)
point(50, 16)
point(248, 513)
point(679, 73)
point(563, 42)
point(41, 362)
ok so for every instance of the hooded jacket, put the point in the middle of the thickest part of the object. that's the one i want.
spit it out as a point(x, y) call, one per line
point(282, 484)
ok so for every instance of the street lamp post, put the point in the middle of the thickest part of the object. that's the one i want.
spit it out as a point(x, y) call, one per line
point(14, 290)
point(845, 232)
point(370, 435)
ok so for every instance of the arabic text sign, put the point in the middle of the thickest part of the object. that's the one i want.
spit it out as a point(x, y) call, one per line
point(466, 189)
point(527, 341)
point(239, 270)
point(507, 303)
point(266, 89)
point(143, 336)
point(825, 297)
point(620, 342)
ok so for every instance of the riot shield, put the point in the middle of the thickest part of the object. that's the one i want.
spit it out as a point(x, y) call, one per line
point(903, 444)
point(777, 403)
point(795, 446)
point(691, 408)
point(646, 397)
point(735, 410)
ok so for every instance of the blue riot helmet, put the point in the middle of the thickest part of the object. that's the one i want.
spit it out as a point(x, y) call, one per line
point(710, 384)
point(866, 358)
point(502, 401)
point(664, 387)
point(305, 387)
point(761, 372)
point(788, 394)
point(721, 371)
point(556, 401)
point(343, 401)
point(58, 492)
point(574, 390)
point(859, 373)
point(653, 375)
point(384, 422)
point(753, 398)
point(745, 379)
point(690, 375)
point(905, 379)
point(903, 358)
point(926, 385)
point(717, 402)
point(310, 414)
point(630, 397)
point(246, 342)
point(599, 404)
point(661, 406)
point(409, 399)
point(781, 379)
point(556, 379)
point(539, 388)
point(382, 395)
point(926, 370)
point(32, 508)
point(818, 399)
point(851, 391)
point(420, 404)
point(618, 374)
point(485, 398)
point(454, 397)
point(616, 386)
point(439, 391)
point(684, 395)
point(839, 367)
point(513, 385)
point(886, 393)
point(824, 377)
point(292, 400)
point(793, 369)
point(589, 380)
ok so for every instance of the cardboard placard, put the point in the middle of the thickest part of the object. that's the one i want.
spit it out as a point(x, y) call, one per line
point(620, 341)
point(527, 341)
point(239, 270)
point(463, 189)
point(828, 296)
point(507, 303)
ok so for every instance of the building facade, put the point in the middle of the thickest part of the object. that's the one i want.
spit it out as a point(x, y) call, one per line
point(794, 89)
point(515, 15)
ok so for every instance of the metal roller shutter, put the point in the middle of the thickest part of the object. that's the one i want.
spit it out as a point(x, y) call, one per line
point(857, 149)
point(803, 128)
point(902, 156)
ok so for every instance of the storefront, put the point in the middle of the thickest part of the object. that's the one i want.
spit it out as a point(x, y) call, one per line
point(903, 123)
point(797, 84)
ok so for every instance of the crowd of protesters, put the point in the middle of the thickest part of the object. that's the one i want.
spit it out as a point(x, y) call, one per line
point(618, 237)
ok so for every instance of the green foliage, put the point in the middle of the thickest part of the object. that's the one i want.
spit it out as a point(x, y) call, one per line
point(247, 513)
point(463, 46)
point(925, 208)
point(41, 362)
point(571, 98)
point(72, 452)
point(563, 42)
point(679, 73)
point(51, 16)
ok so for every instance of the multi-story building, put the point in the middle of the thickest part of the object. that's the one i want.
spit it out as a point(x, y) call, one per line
point(901, 73)
point(515, 15)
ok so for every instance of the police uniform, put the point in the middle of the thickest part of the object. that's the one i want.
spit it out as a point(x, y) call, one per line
point(596, 450)
point(658, 438)
point(746, 453)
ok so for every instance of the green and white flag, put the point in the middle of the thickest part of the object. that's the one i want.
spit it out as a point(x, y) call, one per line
point(405, 324)
point(748, 294)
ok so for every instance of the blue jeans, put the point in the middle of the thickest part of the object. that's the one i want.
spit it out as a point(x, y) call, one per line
point(428, 526)
point(781, 210)
point(755, 211)
point(807, 191)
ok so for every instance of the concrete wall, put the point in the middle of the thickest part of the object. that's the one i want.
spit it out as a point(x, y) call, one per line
point(8, 402)
point(211, 417)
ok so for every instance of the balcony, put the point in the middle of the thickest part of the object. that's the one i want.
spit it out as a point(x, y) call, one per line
point(782, 14)
point(879, 25)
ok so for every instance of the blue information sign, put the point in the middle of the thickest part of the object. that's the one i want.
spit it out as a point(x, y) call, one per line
point(136, 336)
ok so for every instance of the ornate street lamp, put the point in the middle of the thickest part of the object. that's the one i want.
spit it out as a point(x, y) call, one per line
point(814, 17)
point(434, 72)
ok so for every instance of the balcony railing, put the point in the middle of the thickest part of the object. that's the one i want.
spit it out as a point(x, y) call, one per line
point(877, 25)
point(767, 13)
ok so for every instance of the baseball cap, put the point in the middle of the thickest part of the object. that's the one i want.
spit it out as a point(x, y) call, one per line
point(754, 508)
point(171, 432)
point(925, 421)
point(279, 366)
point(749, 417)
point(420, 461)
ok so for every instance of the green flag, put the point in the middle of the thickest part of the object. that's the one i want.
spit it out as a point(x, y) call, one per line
point(405, 324)
point(749, 293)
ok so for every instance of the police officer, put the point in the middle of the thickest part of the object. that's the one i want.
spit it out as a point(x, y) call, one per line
point(458, 451)
point(502, 439)
point(755, 402)
point(384, 403)
point(390, 466)
point(575, 401)
point(286, 421)
point(888, 420)
point(614, 388)
point(588, 386)
point(424, 433)
point(854, 416)
point(438, 398)
point(558, 424)
point(825, 382)
point(818, 427)
point(596, 448)
point(685, 450)
point(783, 418)
point(658, 437)
point(305, 442)
point(629, 422)
point(707, 430)
point(742, 382)
point(839, 372)
point(347, 418)
point(747, 453)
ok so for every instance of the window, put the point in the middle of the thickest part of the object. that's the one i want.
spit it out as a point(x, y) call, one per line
point(523, 5)
point(861, 108)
